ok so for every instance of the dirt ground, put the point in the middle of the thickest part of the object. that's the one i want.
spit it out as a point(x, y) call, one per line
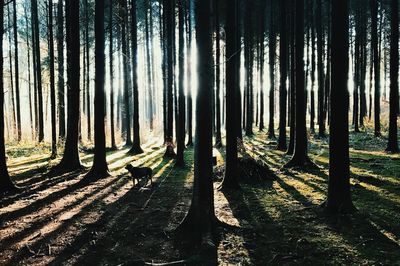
point(60, 220)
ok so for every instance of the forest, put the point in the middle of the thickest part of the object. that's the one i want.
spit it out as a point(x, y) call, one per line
point(199, 132)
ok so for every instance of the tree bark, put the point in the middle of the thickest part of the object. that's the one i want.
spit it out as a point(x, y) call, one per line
point(99, 168)
point(393, 145)
point(60, 56)
point(339, 199)
point(52, 84)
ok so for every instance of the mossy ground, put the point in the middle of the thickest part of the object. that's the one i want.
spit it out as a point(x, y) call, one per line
point(60, 220)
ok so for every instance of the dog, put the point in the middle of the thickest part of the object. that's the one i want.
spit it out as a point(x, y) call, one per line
point(140, 173)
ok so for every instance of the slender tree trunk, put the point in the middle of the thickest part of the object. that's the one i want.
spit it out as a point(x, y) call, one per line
point(292, 98)
point(189, 76)
point(5, 181)
point(321, 76)
point(181, 101)
point(199, 221)
point(37, 68)
point(60, 55)
point(313, 68)
point(52, 84)
point(71, 160)
point(136, 149)
point(29, 73)
point(232, 85)
point(300, 157)
point(88, 95)
point(169, 11)
point(111, 66)
point(283, 77)
point(393, 145)
point(218, 137)
point(99, 168)
point(377, 69)
point(16, 65)
point(149, 65)
point(12, 92)
point(339, 199)
point(272, 48)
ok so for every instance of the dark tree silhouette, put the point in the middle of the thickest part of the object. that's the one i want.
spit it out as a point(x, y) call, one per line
point(339, 199)
point(99, 168)
point(52, 83)
point(37, 69)
point(71, 160)
point(189, 76)
point(5, 181)
point(111, 67)
point(321, 76)
point(16, 65)
point(232, 86)
point(60, 58)
point(272, 51)
point(181, 97)
point(300, 157)
point(377, 68)
point(393, 145)
point(200, 218)
point(136, 149)
point(218, 137)
point(283, 77)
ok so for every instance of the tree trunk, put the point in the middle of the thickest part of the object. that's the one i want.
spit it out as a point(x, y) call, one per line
point(16, 65)
point(99, 168)
point(37, 68)
point(300, 157)
point(5, 181)
point(71, 160)
point(189, 76)
point(339, 199)
point(60, 56)
point(272, 48)
point(52, 84)
point(218, 137)
point(29, 73)
point(169, 11)
point(136, 149)
point(200, 218)
point(321, 77)
point(393, 145)
point(292, 98)
point(111, 66)
point(232, 85)
point(377, 69)
point(181, 101)
point(149, 65)
point(283, 77)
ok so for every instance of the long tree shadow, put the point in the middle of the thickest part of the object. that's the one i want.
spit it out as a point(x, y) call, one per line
point(133, 227)
point(96, 204)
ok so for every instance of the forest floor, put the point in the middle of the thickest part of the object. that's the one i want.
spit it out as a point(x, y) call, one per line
point(59, 220)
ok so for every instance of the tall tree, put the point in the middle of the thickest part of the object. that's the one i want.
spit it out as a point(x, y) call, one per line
point(169, 13)
point(189, 75)
point(38, 68)
point(71, 160)
point(16, 65)
point(283, 77)
point(272, 50)
point(377, 69)
point(87, 72)
point(181, 101)
point(321, 76)
point(300, 157)
point(136, 149)
point(149, 65)
point(232, 86)
point(200, 218)
point(52, 83)
point(127, 75)
point(218, 137)
point(99, 168)
point(5, 181)
point(60, 59)
point(393, 145)
point(111, 66)
point(339, 198)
